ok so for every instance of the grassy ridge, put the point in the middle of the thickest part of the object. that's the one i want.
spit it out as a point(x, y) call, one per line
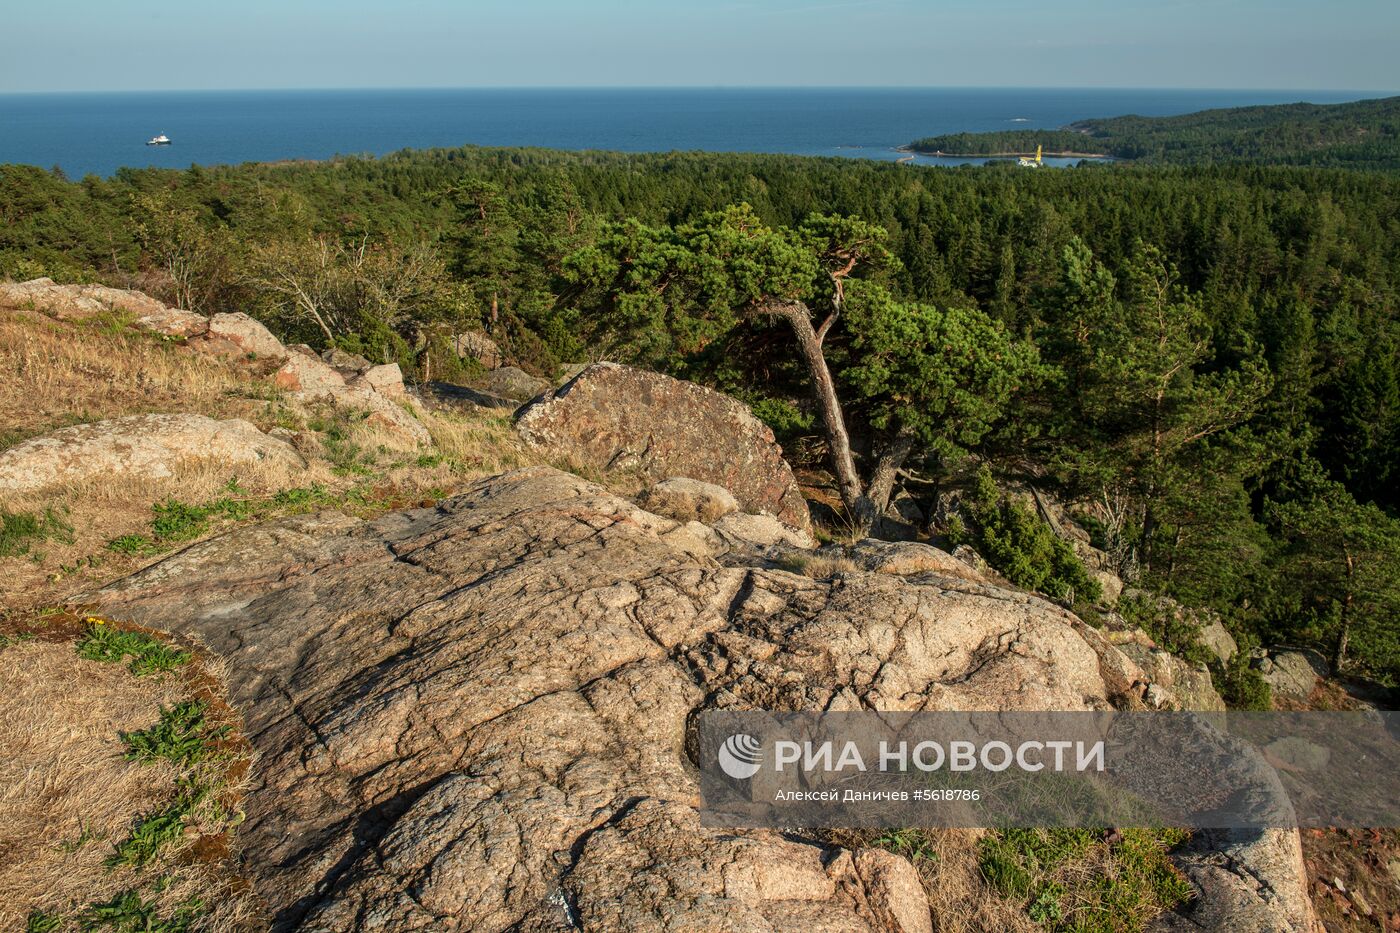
point(1362, 134)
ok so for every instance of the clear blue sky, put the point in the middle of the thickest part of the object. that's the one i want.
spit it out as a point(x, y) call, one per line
point(161, 44)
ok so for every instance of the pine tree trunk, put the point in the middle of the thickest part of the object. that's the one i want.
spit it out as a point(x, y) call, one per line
point(838, 441)
point(1339, 655)
point(886, 470)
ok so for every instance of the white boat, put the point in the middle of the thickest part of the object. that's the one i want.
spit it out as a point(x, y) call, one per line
point(161, 140)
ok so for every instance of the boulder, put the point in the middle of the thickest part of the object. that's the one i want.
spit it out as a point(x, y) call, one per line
point(302, 373)
point(474, 716)
point(1246, 881)
point(478, 346)
point(568, 371)
point(1291, 672)
point(689, 500)
point(148, 447)
point(455, 396)
point(613, 418)
point(762, 532)
point(1110, 586)
point(386, 379)
point(1220, 642)
point(511, 382)
point(173, 322)
point(237, 334)
point(346, 363)
point(907, 558)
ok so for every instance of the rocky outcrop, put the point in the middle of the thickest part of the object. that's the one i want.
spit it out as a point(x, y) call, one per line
point(75, 302)
point(1219, 641)
point(1181, 685)
point(615, 419)
point(386, 379)
point(474, 716)
point(1247, 881)
point(137, 447)
point(908, 558)
point(344, 362)
point(309, 379)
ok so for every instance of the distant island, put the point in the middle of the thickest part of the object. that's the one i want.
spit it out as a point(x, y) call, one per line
point(1364, 134)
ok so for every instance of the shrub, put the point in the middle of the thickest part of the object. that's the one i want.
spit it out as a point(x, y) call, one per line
point(1241, 686)
point(1022, 547)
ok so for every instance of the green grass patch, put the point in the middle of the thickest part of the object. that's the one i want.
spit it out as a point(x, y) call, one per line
point(347, 458)
point(183, 736)
point(128, 912)
point(149, 655)
point(20, 531)
point(1086, 880)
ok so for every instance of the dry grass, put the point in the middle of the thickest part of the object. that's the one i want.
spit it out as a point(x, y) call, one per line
point(67, 795)
point(98, 512)
point(59, 374)
point(818, 566)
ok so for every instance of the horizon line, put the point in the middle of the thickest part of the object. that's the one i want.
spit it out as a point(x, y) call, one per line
point(703, 87)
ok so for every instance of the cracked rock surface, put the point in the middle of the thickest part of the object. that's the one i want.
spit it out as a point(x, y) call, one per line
point(473, 716)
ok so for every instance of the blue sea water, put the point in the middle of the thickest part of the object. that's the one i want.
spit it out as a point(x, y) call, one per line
point(99, 132)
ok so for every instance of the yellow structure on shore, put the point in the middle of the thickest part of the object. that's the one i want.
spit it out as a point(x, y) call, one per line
point(1031, 163)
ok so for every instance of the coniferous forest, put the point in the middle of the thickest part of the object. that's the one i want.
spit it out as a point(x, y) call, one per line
point(1212, 351)
point(1363, 134)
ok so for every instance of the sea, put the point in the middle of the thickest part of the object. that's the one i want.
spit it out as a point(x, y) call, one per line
point(98, 133)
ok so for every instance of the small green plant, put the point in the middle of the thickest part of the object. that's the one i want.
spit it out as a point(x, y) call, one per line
point(85, 835)
point(8, 640)
point(43, 922)
point(913, 844)
point(131, 544)
point(347, 458)
point(178, 521)
point(111, 323)
point(128, 912)
point(150, 836)
point(183, 736)
point(149, 655)
point(20, 531)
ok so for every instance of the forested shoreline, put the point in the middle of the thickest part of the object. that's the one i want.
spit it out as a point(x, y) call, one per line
point(1214, 351)
point(1360, 135)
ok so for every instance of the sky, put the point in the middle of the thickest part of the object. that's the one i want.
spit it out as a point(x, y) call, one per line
point(85, 45)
